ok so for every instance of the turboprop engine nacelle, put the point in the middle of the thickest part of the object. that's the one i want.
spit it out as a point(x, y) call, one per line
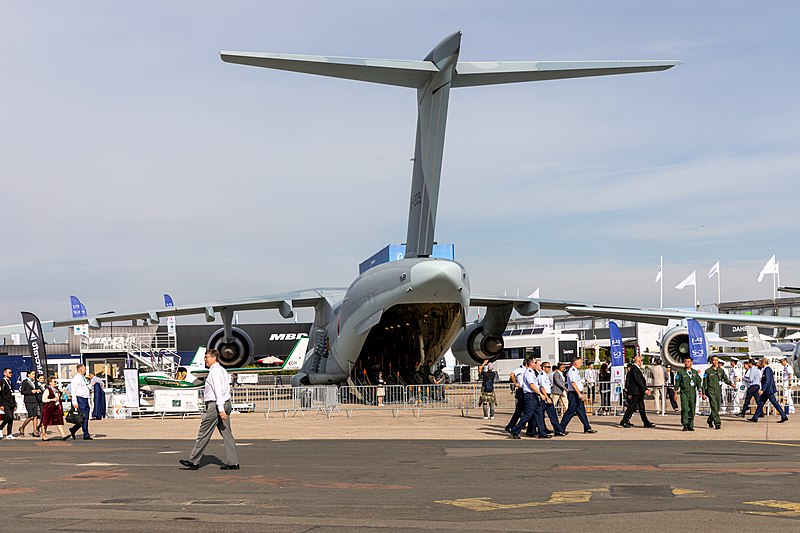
point(473, 347)
point(675, 345)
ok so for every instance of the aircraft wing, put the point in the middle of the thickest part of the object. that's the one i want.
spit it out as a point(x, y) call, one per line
point(662, 317)
point(522, 305)
point(47, 327)
point(793, 290)
point(283, 302)
point(203, 372)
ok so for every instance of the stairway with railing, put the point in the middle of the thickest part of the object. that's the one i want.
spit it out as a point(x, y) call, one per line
point(152, 351)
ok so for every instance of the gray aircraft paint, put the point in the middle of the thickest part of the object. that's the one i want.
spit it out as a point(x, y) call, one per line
point(345, 318)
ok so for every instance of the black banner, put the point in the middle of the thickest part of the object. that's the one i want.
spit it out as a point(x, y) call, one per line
point(33, 331)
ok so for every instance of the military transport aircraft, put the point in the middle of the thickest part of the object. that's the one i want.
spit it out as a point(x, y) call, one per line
point(411, 310)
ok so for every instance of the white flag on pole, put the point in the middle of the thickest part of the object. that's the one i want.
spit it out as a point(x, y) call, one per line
point(691, 279)
point(770, 268)
point(660, 273)
point(534, 294)
point(714, 270)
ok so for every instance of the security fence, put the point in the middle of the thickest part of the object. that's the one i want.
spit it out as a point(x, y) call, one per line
point(604, 398)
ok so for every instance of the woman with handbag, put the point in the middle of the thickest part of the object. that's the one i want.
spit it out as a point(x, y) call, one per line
point(52, 412)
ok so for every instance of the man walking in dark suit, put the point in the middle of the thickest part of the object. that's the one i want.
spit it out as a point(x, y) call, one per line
point(635, 390)
point(8, 403)
point(767, 392)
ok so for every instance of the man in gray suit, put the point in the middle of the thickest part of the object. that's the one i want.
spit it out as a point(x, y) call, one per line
point(217, 396)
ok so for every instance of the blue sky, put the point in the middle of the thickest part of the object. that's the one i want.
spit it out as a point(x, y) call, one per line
point(143, 164)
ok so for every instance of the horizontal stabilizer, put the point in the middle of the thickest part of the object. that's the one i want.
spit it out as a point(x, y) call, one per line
point(472, 74)
point(386, 71)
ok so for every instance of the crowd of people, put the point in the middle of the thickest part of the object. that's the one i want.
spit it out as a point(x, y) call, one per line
point(540, 388)
point(43, 400)
point(534, 391)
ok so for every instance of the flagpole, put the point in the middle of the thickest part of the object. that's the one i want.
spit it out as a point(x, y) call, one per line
point(773, 285)
point(719, 297)
point(694, 304)
point(661, 299)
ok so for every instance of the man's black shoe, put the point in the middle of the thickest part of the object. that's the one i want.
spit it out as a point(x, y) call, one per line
point(88, 438)
point(626, 424)
point(514, 436)
point(717, 427)
point(229, 467)
point(782, 420)
point(691, 429)
point(188, 464)
point(559, 434)
point(507, 430)
point(685, 428)
point(590, 430)
point(711, 424)
point(545, 436)
point(752, 420)
point(650, 425)
point(549, 431)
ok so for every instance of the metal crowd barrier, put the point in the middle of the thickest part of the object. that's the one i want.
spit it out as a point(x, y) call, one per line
point(608, 399)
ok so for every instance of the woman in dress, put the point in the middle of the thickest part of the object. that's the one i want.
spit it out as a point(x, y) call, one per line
point(99, 396)
point(52, 412)
point(380, 391)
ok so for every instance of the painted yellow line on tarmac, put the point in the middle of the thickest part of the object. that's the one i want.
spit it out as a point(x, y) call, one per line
point(560, 497)
point(687, 492)
point(789, 508)
point(769, 442)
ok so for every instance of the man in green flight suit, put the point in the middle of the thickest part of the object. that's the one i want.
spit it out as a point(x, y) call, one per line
point(713, 379)
point(687, 383)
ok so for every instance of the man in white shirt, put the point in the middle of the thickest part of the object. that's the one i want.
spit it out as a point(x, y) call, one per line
point(217, 396)
point(787, 376)
point(753, 380)
point(730, 392)
point(533, 412)
point(79, 389)
point(575, 398)
point(590, 377)
point(546, 387)
point(519, 396)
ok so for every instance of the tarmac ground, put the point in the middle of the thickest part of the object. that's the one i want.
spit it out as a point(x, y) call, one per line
point(381, 473)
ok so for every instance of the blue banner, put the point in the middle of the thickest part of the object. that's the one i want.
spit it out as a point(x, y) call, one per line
point(168, 301)
point(697, 343)
point(617, 349)
point(78, 310)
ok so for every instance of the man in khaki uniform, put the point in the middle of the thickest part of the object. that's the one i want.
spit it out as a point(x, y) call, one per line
point(687, 383)
point(713, 379)
point(659, 386)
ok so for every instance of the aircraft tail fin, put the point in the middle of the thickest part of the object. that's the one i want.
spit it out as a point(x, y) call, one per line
point(297, 356)
point(474, 74)
point(397, 72)
point(433, 77)
point(197, 360)
point(755, 343)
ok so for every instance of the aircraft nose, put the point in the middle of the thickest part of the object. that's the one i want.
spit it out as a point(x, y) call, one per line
point(437, 275)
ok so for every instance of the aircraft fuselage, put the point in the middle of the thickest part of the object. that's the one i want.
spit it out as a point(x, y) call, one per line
point(404, 314)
